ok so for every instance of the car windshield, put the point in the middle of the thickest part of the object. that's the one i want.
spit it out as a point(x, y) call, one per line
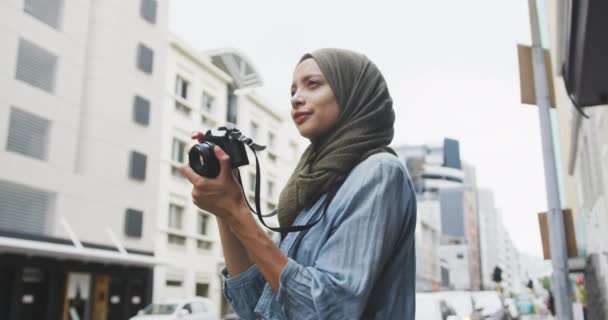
point(160, 308)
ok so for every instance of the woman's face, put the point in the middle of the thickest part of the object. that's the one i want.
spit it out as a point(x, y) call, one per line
point(314, 106)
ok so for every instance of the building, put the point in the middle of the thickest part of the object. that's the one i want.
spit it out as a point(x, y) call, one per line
point(574, 36)
point(432, 168)
point(204, 90)
point(79, 127)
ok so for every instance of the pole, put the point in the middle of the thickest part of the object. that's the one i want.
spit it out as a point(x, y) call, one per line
point(557, 238)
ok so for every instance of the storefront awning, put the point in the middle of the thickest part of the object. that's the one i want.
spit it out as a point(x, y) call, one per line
point(68, 251)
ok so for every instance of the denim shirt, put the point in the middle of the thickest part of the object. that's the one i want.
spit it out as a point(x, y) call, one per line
point(358, 262)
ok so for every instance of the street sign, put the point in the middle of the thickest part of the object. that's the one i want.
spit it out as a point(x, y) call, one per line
point(526, 75)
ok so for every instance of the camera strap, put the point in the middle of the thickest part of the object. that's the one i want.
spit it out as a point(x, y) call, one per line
point(258, 211)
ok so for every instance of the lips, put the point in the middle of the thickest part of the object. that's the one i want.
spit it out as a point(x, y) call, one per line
point(300, 117)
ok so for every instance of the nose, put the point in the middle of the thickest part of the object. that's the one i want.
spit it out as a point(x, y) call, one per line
point(297, 100)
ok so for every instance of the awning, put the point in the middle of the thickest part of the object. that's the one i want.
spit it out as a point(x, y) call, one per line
point(68, 251)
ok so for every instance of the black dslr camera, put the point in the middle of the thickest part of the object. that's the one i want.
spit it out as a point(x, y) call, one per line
point(203, 160)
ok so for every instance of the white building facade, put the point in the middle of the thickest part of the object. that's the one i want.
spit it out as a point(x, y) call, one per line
point(201, 93)
point(79, 128)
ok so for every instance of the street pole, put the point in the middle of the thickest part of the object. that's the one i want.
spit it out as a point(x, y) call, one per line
point(557, 238)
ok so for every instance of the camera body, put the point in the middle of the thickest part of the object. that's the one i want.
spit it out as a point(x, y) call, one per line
point(202, 159)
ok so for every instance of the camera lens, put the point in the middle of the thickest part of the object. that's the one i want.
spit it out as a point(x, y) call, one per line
point(203, 161)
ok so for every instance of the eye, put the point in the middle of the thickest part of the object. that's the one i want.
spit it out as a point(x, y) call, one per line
point(312, 83)
point(293, 92)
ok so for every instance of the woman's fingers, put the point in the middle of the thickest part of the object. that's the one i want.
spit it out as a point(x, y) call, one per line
point(198, 136)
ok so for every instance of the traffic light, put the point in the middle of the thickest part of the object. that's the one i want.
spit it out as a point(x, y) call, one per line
point(497, 275)
point(530, 284)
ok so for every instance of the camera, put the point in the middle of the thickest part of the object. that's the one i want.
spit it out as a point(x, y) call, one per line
point(202, 159)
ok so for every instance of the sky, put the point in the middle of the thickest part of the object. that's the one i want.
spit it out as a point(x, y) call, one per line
point(451, 68)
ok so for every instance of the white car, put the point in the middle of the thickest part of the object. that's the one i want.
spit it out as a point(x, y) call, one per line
point(462, 301)
point(179, 309)
point(432, 307)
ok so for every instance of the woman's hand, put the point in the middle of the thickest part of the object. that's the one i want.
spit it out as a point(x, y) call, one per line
point(221, 195)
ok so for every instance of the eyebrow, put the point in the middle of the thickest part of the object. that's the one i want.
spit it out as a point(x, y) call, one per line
point(307, 77)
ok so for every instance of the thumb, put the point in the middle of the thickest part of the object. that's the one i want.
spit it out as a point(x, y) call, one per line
point(224, 159)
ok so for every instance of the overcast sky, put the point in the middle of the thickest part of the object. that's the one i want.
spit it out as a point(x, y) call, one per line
point(451, 67)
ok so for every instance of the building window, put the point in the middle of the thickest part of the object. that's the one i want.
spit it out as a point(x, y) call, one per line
point(270, 192)
point(181, 87)
point(137, 169)
point(252, 182)
point(176, 215)
point(36, 66)
point(231, 111)
point(203, 223)
point(202, 290)
point(148, 10)
point(28, 134)
point(270, 140)
point(145, 59)
point(460, 256)
point(204, 244)
point(141, 110)
point(47, 11)
point(207, 122)
point(182, 109)
point(254, 130)
point(272, 157)
point(133, 223)
point(207, 102)
point(173, 283)
point(24, 209)
point(176, 239)
point(178, 152)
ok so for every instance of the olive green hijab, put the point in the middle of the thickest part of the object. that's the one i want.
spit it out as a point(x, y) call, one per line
point(364, 127)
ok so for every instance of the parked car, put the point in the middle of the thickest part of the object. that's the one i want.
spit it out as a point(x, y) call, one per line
point(179, 309)
point(511, 308)
point(432, 307)
point(490, 305)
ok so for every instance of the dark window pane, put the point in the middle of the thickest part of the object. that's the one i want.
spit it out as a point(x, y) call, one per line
point(141, 110)
point(133, 223)
point(28, 134)
point(145, 59)
point(47, 11)
point(148, 10)
point(138, 166)
point(36, 66)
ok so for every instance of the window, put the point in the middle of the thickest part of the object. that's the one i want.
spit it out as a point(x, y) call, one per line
point(178, 151)
point(176, 239)
point(254, 130)
point(207, 122)
point(270, 192)
point(145, 59)
point(202, 289)
point(271, 156)
point(148, 10)
point(270, 140)
point(271, 206)
point(141, 110)
point(137, 169)
point(181, 87)
point(204, 244)
point(203, 222)
point(176, 214)
point(47, 11)
point(133, 223)
point(25, 209)
point(173, 283)
point(252, 182)
point(182, 108)
point(36, 66)
point(28, 134)
point(460, 256)
point(231, 111)
point(207, 102)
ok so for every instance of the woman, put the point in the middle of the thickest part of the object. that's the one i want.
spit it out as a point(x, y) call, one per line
point(358, 262)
